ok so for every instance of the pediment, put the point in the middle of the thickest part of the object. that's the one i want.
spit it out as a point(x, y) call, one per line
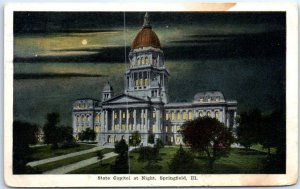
point(124, 99)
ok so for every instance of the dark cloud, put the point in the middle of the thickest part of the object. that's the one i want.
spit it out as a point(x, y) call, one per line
point(53, 75)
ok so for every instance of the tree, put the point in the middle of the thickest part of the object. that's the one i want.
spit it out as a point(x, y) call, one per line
point(51, 133)
point(208, 135)
point(183, 162)
point(135, 139)
point(249, 128)
point(88, 134)
point(159, 144)
point(24, 134)
point(150, 155)
point(121, 162)
point(151, 138)
point(100, 156)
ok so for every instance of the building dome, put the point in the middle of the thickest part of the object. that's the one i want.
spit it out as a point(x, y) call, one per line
point(146, 37)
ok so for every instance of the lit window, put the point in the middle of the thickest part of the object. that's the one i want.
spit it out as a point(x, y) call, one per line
point(154, 114)
point(116, 127)
point(141, 82)
point(137, 82)
point(208, 99)
point(123, 115)
point(201, 114)
point(116, 139)
point(184, 115)
point(143, 61)
point(116, 115)
point(147, 60)
point(201, 99)
point(217, 115)
point(190, 115)
point(153, 128)
point(208, 114)
point(172, 116)
point(138, 61)
point(177, 139)
point(167, 116)
point(123, 127)
point(146, 82)
point(178, 116)
point(218, 99)
point(166, 129)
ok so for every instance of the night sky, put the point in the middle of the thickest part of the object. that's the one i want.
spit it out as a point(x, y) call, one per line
point(63, 56)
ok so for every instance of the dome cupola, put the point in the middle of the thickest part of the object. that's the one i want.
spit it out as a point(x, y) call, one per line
point(146, 37)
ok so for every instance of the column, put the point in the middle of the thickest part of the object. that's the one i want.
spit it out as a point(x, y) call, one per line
point(142, 120)
point(120, 120)
point(127, 120)
point(227, 119)
point(102, 122)
point(157, 120)
point(134, 119)
point(146, 121)
point(234, 119)
point(113, 121)
point(106, 119)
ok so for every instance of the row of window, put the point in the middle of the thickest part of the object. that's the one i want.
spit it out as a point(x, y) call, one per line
point(110, 139)
point(209, 99)
point(141, 82)
point(183, 115)
point(82, 105)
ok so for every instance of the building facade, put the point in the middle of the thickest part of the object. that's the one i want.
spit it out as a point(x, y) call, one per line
point(144, 104)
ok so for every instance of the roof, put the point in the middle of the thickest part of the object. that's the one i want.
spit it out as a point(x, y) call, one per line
point(107, 87)
point(146, 37)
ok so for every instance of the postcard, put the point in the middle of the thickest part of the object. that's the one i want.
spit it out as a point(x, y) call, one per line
point(151, 95)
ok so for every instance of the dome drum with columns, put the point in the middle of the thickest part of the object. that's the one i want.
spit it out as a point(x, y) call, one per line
point(144, 105)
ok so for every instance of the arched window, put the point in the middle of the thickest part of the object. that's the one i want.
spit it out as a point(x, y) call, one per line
point(217, 115)
point(200, 114)
point(123, 137)
point(147, 60)
point(77, 119)
point(154, 114)
point(190, 115)
point(184, 115)
point(167, 115)
point(208, 114)
point(208, 99)
point(146, 82)
point(123, 115)
point(109, 139)
point(143, 60)
point(173, 116)
point(82, 118)
point(116, 127)
point(138, 61)
point(115, 139)
point(201, 99)
point(136, 82)
point(178, 115)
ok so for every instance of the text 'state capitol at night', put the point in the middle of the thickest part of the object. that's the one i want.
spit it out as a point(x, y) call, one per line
point(144, 104)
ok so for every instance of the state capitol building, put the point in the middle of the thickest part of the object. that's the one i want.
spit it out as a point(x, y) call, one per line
point(144, 104)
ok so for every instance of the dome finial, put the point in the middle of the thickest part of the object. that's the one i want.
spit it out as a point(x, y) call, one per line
point(146, 21)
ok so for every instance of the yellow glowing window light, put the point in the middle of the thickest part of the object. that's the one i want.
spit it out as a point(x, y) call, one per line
point(172, 115)
point(217, 115)
point(184, 115)
point(190, 115)
point(178, 116)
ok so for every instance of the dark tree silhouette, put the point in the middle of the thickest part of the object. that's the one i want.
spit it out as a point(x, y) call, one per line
point(208, 135)
point(249, 128)
point(135, 139)
point(23, 134)
point(151, 138)
point(121, 162)
point(87, 134)
point(183, 162)
point(51, 131)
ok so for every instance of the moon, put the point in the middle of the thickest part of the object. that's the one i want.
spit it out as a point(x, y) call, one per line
point(84, 42)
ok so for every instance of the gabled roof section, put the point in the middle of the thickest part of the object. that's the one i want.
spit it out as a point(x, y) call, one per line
point(124, 98)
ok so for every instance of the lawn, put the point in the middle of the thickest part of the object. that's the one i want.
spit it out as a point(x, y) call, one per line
point(238, 162)
point(96, 168)
point(44, 152)
point(67, 161)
